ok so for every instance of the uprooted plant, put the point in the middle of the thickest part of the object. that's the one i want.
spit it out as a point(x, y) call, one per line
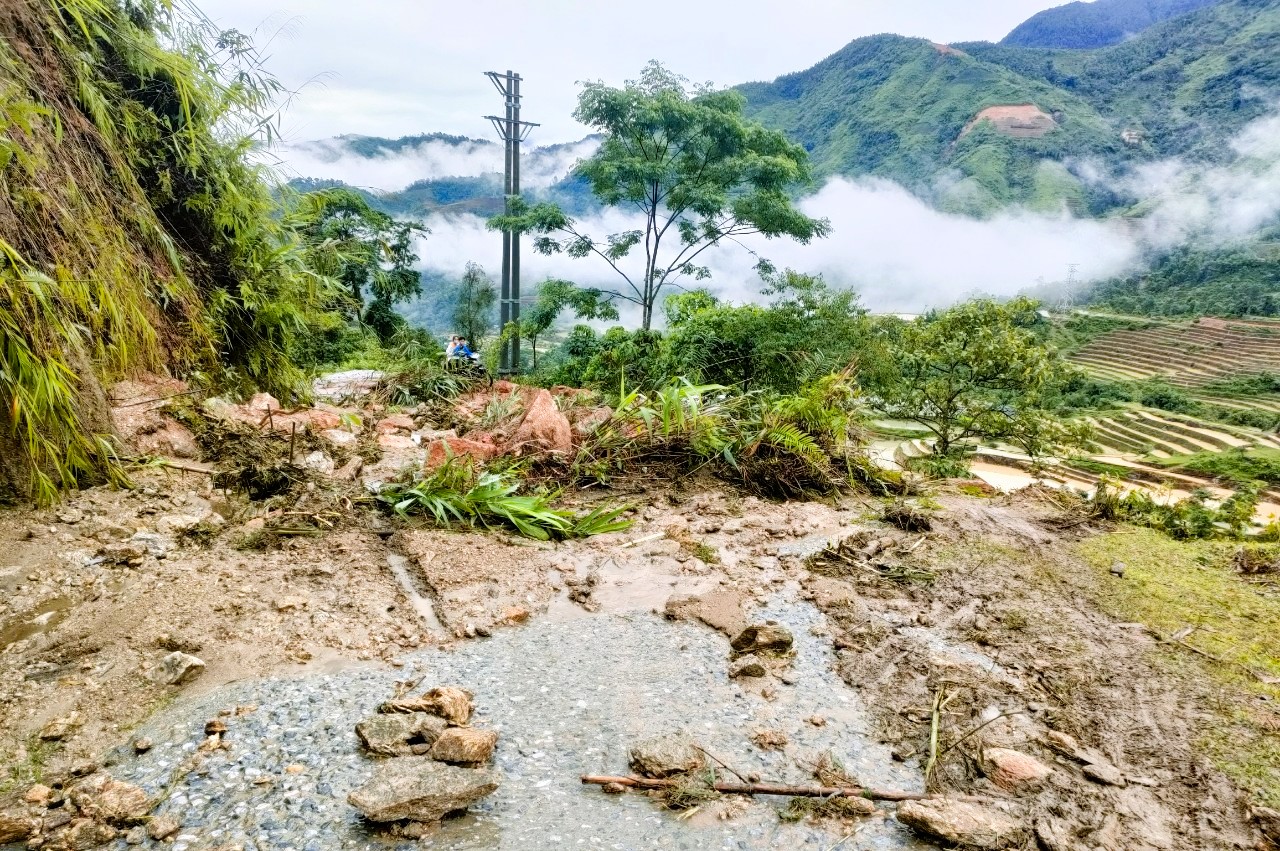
point(459, 492)
point(779, 445)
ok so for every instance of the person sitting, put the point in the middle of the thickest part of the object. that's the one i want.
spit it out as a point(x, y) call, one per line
point(450, 349)
point(464, 351)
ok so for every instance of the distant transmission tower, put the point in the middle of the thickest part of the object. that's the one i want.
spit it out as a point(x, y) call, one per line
point(512, 131)
point(1069, 297)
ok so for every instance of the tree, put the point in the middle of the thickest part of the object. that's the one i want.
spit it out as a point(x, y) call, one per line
point(976, 370)
point(554, 296)
point(366, 251)
point(697, 171)
point(473, 313)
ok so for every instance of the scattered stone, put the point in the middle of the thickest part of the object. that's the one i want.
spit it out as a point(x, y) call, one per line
point(15, 828)
point(1104, 773)
point(817, 720)
point(964, 823)
point(318, 462)
point(515, 614)
point(39, 795)
point(397, 734)
point(59, 728)
point(295, 768)
point(162, 827)
point(451, 703)
point(142, 744)
point(215, 725)
point(770, 637)
point(903, 751)
point(177, 668)
point(136, 835)
point(1118, 569)
point(84, 767)
point(663, 756)
point(109, 800)
point(464, 746)
point(1013, 770)
point(70, 516)
point(1268, 821)
point(84, 834)
point(747, 666)
point(613, 789)
point(420, 789)
point(122, 554)
point(290, 603)
point(769, 739)
point(1065, 745)
point(789, 677)
point(396, 422)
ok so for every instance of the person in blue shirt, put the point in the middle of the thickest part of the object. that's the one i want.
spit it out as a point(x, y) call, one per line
point(462, 350)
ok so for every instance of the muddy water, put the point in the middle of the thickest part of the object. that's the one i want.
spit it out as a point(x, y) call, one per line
point(568, 697)
point(421, 605)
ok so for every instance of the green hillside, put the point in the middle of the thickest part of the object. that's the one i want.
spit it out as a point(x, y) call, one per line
point(1096, 24)
point(1187, 84)
point(899, 108)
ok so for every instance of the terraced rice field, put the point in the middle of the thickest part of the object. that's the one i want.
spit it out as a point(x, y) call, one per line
point(1186, 355)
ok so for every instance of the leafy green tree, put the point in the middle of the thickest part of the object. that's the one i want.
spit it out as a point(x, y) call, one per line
point(473, 312)
point(554, 297)
point(687, 160)
point(369, 253)
point(976, 370)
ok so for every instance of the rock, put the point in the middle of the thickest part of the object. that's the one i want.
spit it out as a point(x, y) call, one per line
point(84, 834)
point(1118, 569)
point(39, 795)
point(176, 669)
point(136, 836)
point(396, 422)
point(109, 800)
point(318, 462)
point(290, 603)
point(817, 720)
point(663, 756)
point(420, 789)
point(747, 666)
point(768, 738)
point(59, 728)
point(964, 823)
point(15, 827)
point(350, 471)
point(84, 767)
point(464, 746)
point(162, 827)
point(769, 637)
point(142, 744)
point(338, 437)
point(1013, 770)
point(515, 614)
point(263, 402)
point(452, 703)
point(122, 554)
point(1065, 745)
point(543, 427)
point(70, 516)
point(439, 451)
point(396, 441)
point(396, 735)
point(1104, 773)
point(1268, 821)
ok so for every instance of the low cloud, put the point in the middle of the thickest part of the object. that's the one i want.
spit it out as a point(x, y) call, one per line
point(391, 170)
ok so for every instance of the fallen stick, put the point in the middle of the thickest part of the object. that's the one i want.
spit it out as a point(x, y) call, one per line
point(727, 788)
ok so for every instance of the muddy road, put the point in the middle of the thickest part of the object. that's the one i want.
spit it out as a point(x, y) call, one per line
point(965, 660)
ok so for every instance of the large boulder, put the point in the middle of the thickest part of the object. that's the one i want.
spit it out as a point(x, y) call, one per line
point(400, 734)
point(416, 788)
point(768, 637)
point(543, 428)
point(961, 822)
point(663, 756)
point(464, 746)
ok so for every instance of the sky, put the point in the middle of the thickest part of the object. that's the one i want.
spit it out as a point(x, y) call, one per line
point(401, 67)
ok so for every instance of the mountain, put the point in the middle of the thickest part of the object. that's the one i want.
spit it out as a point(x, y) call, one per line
point(970, 134)
point(1096, 24)
point(1184, 86)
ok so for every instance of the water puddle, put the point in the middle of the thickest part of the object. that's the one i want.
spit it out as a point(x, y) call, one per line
point(569, 697)
point(39, 620)
point(400, 568)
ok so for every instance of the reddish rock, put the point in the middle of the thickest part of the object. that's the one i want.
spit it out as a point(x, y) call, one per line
point(263, 402)
point(15, 827)
point(396, 422)
point(396, 441)
point(503, 386)
point(1013, 770)
point(439, 451)
point(109, 800)
point(543, 427)
point(961, 822)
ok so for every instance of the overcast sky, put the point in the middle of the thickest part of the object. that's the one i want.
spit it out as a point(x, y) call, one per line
point(401, 67)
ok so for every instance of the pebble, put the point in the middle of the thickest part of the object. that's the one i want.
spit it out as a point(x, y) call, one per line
point(567, 698)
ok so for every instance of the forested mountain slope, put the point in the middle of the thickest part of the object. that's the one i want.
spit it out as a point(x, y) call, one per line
point(1096, 24)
